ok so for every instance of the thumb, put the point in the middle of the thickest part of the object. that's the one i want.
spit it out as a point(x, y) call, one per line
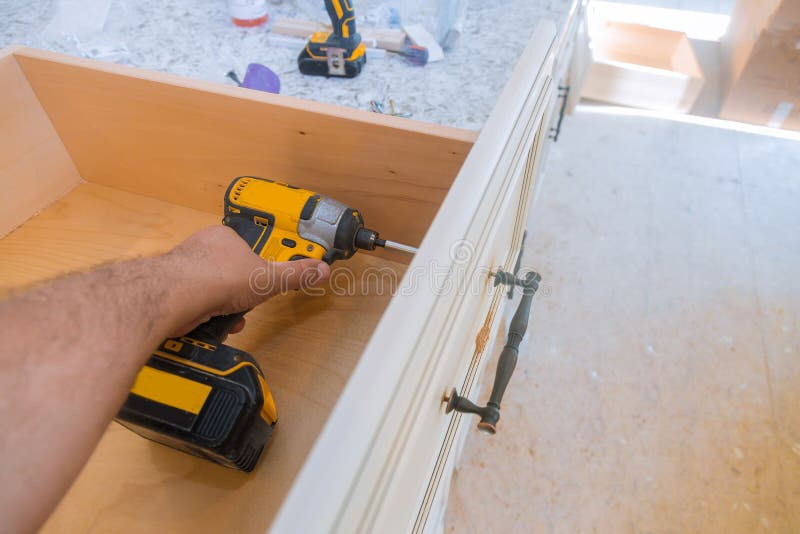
point(280, 277)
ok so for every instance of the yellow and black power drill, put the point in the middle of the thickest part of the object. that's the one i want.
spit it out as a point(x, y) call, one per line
point(209, 399)
point(336, 53)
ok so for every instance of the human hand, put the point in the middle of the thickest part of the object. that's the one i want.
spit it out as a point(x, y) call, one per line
point(106, 323)
point(227, 277)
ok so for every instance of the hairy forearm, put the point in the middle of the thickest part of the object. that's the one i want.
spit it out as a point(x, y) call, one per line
point(72, 347)
point(76, 347)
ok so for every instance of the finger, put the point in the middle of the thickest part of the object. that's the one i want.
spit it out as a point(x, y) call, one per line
point(238, 327)
point(279, 278)
point(313, 277)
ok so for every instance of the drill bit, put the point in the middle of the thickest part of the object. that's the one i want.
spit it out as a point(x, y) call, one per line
point(367, 239)
point(399, 246)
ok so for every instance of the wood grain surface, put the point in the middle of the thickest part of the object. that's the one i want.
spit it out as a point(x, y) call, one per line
point(183, 141)
point(35, 168)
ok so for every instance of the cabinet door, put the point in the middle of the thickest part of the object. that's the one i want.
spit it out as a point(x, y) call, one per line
point(377, 465)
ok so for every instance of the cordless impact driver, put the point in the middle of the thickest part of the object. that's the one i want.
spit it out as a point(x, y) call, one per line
point(206, 398)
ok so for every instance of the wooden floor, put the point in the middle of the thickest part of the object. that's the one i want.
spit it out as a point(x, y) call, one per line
point(659, 387)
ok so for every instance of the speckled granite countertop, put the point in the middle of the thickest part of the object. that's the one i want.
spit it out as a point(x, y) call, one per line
point(196, 39)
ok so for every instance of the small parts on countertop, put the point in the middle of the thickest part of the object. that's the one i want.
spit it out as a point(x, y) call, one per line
point(248, 13)
point(379, 107)
point(338, 49)
point(258, 77)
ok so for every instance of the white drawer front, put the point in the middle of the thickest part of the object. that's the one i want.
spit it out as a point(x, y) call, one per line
point(377, 466)
point(505, 246)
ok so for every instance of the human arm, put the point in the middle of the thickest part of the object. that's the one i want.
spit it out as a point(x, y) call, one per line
point(73, 346)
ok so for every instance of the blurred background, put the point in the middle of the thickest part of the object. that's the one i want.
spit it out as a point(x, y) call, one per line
point(711, 58)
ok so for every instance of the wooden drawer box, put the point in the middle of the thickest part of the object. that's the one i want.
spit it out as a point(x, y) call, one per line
point(642, 66)
point(101, 162)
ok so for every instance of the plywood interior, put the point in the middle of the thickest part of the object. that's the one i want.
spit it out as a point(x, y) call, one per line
point(646, 46)
point(640, 66)
point(35, 168)
point(119, 167)
point(183, 141)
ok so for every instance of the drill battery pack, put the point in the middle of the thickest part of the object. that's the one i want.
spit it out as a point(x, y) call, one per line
point(204, 399)
point(327, 55)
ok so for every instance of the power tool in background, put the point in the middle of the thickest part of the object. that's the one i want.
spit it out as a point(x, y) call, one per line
point(336, 53)
point(206, 398)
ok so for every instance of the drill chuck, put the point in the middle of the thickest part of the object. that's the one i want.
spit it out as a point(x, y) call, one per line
point(368, 239)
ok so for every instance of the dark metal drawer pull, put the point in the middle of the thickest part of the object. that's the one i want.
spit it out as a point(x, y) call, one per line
point(563, 93)
point(490, 414)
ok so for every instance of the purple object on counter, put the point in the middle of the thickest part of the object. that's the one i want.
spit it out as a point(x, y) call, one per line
point(261, 78)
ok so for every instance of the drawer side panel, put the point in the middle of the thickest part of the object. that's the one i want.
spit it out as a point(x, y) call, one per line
point(35, 168)
point(182, 141)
